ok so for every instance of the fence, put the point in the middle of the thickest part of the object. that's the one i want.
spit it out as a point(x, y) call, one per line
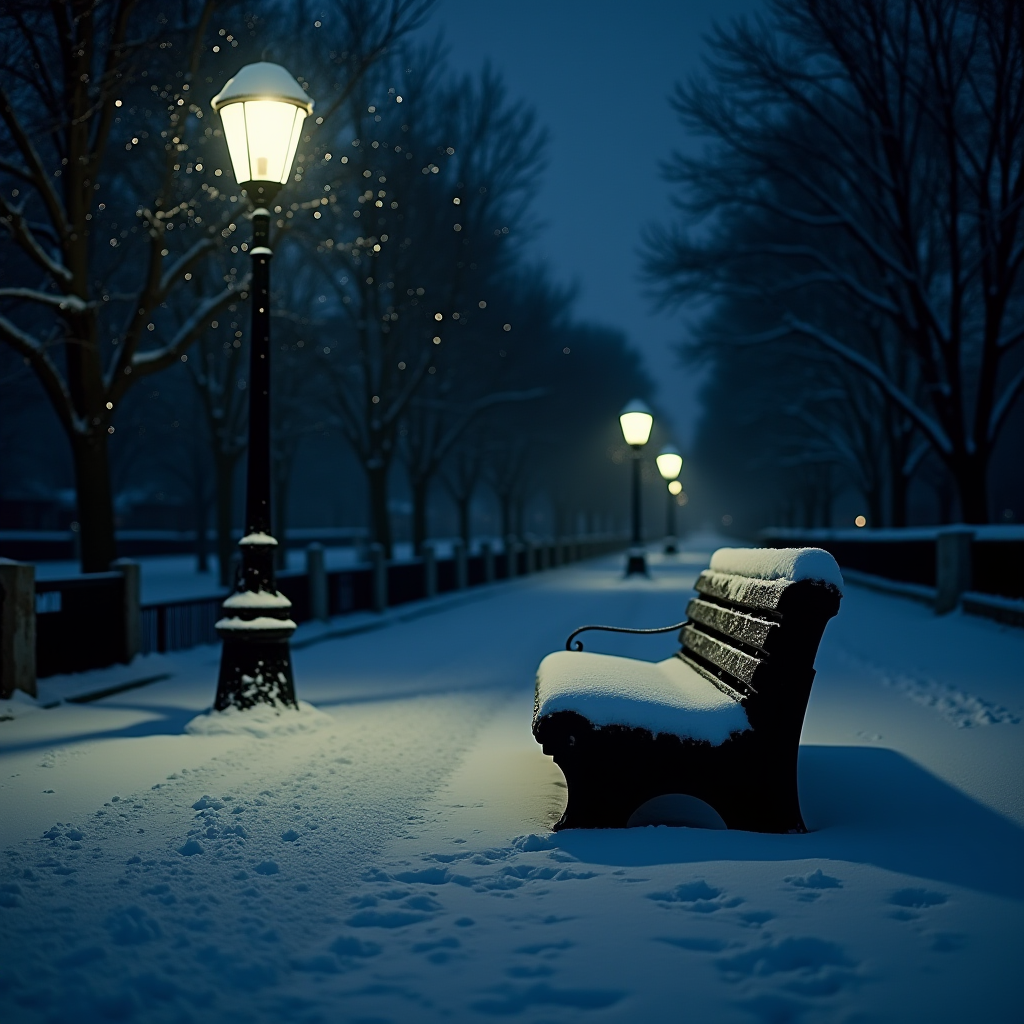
point(178, 625)
point(80, 623)
point(981, 567)
point(63, 545)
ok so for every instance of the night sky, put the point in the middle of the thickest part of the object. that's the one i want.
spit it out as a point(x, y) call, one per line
point(599, 73)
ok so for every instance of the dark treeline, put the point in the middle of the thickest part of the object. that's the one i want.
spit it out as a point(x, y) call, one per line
point(855, 231)
point(416, 346)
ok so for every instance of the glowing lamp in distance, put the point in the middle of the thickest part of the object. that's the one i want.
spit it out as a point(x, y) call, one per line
point(636, 421)
point(670, 462)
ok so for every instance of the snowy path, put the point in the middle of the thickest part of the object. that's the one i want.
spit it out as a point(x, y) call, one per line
point(393, 862)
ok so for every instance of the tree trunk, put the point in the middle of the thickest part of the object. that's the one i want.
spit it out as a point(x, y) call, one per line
point(462, 503)
point(519, 518)
point(202, 541)
point(873, 497)
point(282, 484)
point(900, 485)
point(95, 504)
point(825, 501)
point(420, 495)
point(972, 486)
point(809, 505)
point(506, 515)
point(224, 467)
point(380, 521)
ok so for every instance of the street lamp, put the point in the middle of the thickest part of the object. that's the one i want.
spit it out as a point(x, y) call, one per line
point(636, 421)
point(670, 463)
point(262, 109)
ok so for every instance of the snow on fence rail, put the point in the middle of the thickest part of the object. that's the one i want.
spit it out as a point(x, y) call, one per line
point(942, 563)
point(63, 545)
point(92, 621)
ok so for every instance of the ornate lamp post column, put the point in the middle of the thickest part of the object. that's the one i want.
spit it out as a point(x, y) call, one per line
point(262, 109)
point(670, 464)
point(636, 421)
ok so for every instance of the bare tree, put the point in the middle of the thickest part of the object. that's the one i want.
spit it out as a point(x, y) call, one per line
point(885, 142)
point(418, 216)
point(460, 477)
point(217, 376)
point(103, 107)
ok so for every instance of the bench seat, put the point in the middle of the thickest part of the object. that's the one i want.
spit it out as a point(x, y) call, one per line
point(661, 697)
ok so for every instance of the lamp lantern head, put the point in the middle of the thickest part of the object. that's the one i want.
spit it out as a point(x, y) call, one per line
point(636, 420)
point(262, 109)
point(670, 462)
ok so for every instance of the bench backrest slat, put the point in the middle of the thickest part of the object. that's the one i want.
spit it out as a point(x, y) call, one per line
point(751, 636)
point(736, 663)
point(742, 591)
point(748, 629)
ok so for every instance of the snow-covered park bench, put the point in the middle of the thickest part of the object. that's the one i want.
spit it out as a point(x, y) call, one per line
point(710, 736)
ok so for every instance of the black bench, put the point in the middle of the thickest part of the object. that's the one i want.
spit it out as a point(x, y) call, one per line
point(718, 724)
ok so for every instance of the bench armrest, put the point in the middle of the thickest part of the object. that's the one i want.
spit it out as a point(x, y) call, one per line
point(618, 629)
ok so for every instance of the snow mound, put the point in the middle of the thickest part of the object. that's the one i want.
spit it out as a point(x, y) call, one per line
point(663, 697)
point(262, 721)
point(16, 706)
point(789, 564)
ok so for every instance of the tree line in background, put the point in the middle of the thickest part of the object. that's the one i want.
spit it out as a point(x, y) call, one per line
point(409, 323)
point(855, 231)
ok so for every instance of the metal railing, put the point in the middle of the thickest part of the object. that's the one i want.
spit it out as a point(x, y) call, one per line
point(181, 624)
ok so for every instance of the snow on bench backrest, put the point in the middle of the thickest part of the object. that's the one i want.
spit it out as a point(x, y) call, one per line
point(786, 564)
point(757, 578)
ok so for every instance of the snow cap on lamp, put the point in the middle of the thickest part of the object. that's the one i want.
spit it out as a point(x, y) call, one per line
point(262, 109)
point(636, 420)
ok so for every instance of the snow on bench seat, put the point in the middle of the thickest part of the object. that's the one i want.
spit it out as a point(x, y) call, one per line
point(662, 697)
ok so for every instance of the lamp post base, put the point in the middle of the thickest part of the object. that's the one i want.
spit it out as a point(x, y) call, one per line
point(636, 562)
point(255, 671)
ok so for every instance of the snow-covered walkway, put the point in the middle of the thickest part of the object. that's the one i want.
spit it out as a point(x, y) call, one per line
point(392, 859)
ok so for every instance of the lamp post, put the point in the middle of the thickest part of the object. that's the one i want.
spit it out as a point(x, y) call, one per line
point(262, 109)
point(636, 421)
point(670, 464)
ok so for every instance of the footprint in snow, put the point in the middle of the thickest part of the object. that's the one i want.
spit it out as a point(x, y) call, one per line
point(812, 884)
point(948, 942)
point(807, 966)
point(509, 1000)
point(756, 918)
point(696, 945)
point(438, 951)
point(545, 949)
point(131, 926)
point(697, 896)
point(908, 902)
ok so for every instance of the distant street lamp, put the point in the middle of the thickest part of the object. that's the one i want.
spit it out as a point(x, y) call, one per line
point(670, 463)
point(262, 109)
point(636, 421)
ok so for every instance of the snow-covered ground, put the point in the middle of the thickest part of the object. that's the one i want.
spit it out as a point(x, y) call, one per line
point(390, 857)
